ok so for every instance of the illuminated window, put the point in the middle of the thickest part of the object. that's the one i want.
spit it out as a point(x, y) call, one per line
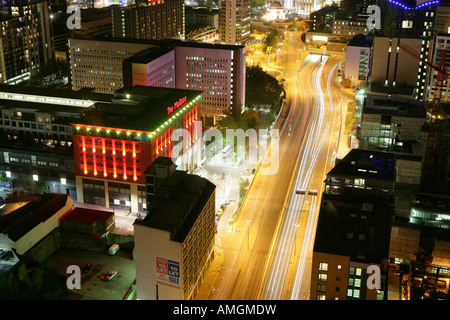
point(323, 266)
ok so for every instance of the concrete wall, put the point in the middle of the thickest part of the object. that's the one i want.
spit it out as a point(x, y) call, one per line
point(149, 244)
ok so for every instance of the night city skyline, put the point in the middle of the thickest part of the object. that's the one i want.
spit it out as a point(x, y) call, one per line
point(265, 151)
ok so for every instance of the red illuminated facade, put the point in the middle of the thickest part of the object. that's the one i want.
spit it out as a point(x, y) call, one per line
point(111, 143)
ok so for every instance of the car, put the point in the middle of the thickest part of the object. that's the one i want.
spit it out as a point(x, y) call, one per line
point(253, 171)
point(300, 191)
point(109, 276)
point(312, 192)
point(87, 268)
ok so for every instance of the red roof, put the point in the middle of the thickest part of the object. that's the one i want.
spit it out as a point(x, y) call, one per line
point(87, 216)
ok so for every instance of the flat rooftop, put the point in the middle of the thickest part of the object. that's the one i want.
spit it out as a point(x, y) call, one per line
point(366, 164)
point(348, 228)
point(139, 108)
point(178, 212)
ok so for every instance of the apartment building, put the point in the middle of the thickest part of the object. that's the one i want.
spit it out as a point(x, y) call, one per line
point(156, 19)
point(25, 41)
point(174, 244)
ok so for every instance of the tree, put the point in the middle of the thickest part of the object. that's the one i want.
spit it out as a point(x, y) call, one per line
point(272, 37)
point(262, 88)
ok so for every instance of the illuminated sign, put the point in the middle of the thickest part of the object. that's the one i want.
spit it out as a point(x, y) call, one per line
point(176, 105)
point(319, 38)
point(168, 272)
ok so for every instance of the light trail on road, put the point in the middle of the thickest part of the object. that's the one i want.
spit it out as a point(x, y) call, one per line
point(276, 275)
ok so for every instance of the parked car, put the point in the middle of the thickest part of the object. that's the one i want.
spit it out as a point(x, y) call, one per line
point(109, 276)
point(87, 268)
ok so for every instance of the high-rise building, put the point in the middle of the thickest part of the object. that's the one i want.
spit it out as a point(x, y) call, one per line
point(392, 66)
point(407, 20)
point(353, 229)
point(217, 70)
point(234, 22)
point(156, 19)
point(115, 142)
point(25, 40)
point(174, 244)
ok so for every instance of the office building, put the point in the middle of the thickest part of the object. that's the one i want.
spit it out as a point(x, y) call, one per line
point(36, 136)
point(234, 22)
point(202, 17)
point(346, 29)
point(217, 70)
point(174, 244)
point(156, 19)
point(353, 229)
point(357, 60)
point(408, 20)
point(25, 40)
point(154, 67)
point(115, 142)
point(389, 120)
point(97, 62)
point(322, 19)
point(392, 66)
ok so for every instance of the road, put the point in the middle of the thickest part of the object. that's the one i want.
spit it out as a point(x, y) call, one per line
point(267, 253)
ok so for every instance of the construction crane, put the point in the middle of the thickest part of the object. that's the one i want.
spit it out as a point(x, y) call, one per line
point(436, 107)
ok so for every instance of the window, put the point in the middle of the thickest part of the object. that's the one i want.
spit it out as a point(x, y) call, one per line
point(356, 293)
point(321, 288)
point(322, 277)
point(323, 266)
point(357, 283)
point(320, 297)
point(358, 272)
point(339, 267)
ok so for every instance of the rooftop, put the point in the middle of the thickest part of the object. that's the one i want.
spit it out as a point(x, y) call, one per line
point(139, 108)
point(366, 164)
point(183, 198)
point(87, 216)
point(19, 222)
point(148, 55)
point(350, 228)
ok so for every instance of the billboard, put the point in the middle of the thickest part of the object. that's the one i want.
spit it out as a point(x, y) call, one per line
point(168, 272)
